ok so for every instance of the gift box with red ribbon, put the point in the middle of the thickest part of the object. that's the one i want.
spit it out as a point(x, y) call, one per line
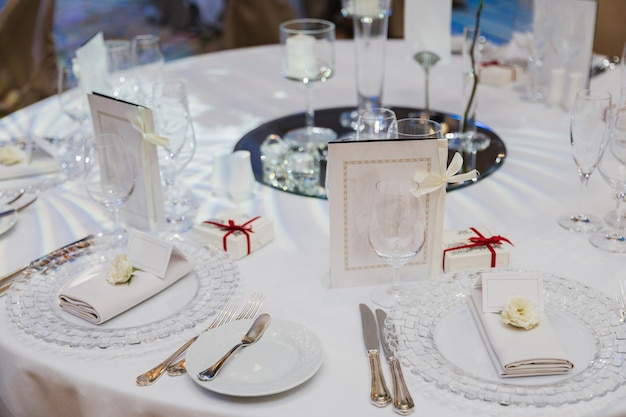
point(235, 234)
point(474, 248)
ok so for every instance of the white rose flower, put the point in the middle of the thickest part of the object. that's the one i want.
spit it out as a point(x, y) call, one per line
point(120, 271)
point(11, 155)
point(520, 312)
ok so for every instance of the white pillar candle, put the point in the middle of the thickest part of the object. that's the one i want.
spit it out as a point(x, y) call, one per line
point(301, 57)
point(369, 8)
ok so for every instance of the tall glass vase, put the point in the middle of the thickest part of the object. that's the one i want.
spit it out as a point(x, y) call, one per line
point(371, 21)
point(471, 140)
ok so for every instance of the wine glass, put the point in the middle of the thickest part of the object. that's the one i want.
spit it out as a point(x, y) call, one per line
point(173, 121)
point(611, 218)
point(109, 178)
point(120, 78)
point(73, 103)
point(375, 123)
point(415, 128)
point(589, 129)
point(308, 47)
point(148, 63)
point(612, 168)
point(396, 230)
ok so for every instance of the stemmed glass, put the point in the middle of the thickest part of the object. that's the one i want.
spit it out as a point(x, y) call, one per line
point(308, 56)
point(375, 123)
point(73, 103)
point(120, 77)
point(612, 167)
point(589, 129)
point(109, 178)
point(396, 230)
point(173, 121)
point(148, 63)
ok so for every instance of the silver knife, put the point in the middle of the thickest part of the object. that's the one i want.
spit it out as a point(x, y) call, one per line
point(14, 210)
point(379, 394)
point(7, 279)
point(403, 402)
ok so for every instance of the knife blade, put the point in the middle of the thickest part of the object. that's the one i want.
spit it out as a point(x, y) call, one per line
point(379, 394)
point(403, 402)
point(7, 279)
point(14, 210)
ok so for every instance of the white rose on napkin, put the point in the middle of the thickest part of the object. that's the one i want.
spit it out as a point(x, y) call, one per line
point(11, 155)
point(92, 297)
point(120, 271)
point(515, 351)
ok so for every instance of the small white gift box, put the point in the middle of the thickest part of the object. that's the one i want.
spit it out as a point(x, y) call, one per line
point(236, 234)
point(473, 248)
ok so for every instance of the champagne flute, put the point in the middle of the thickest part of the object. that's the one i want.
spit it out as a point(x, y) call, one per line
point(109, 178)
point(73, 103)
point(375, 123)
point(589, 129)
point(173, 121)
point(148, 62)
point(120, 78)
point(396, 230)
point(308, 56)
point(612, 168)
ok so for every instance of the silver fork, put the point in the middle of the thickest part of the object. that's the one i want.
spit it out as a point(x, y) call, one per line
point(149, 377)
point(249, 311)
point(621, 300)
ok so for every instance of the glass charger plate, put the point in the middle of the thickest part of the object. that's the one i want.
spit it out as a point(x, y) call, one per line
point(434, 333)
point(487, 160)
point(32, 303)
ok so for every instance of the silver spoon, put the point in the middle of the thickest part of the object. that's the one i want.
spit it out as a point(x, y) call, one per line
point(254, 334)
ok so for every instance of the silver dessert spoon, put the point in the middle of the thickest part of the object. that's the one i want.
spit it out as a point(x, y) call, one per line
point(253, 335)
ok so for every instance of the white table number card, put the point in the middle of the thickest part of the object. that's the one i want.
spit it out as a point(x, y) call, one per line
point(353, 170)
point(145, 209)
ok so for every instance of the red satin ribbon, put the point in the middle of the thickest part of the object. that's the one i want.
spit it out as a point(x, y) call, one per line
point(232, 227)
point(480, 240)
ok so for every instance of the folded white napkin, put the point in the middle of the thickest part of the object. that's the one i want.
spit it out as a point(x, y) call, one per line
point(92, 298)
point(518, 352)
point(36, 162)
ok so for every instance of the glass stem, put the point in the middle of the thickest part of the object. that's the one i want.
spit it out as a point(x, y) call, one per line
point(116, 219)
point(395, 283)
point(310, 113)
point(620, 199)
point(584, 182)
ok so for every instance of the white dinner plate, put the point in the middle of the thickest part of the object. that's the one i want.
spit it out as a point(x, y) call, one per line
point(286, 356)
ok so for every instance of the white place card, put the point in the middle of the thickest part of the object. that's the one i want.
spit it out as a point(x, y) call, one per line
point(498, 287)
point(145, 209)
point(92, 65)
point(151, 254)
point(353, 170)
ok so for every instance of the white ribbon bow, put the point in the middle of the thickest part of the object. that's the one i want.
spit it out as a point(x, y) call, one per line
point(431, 182)
point(139, 123)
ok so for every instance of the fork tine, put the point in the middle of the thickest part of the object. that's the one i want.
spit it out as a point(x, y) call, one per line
point(225, 314)
point(252, 307)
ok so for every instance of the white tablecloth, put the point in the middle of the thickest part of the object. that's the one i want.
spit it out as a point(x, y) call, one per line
point(231, 93)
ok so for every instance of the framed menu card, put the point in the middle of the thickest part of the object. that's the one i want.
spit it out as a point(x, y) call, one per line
point(353, 169)
point(145, 209)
